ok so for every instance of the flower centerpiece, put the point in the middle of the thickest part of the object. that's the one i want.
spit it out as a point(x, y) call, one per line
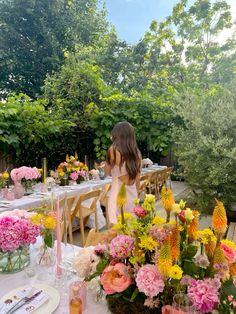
point(45, 219)
point(4, 177)
point(26, 176)
point(165, 265)
point(72, 169)
point(17, 232)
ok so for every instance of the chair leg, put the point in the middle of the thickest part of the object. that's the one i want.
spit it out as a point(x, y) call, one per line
point(96, 219)
point(82, 230)
point(70, 231)
point(107, 217)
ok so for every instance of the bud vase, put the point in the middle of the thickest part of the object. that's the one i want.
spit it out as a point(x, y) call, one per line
point(45, 256)
point(14, 261)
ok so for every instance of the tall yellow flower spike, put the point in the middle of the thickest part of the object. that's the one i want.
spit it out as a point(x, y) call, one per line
point(210, 249)
point(167, 200)
point(219, 219)
point(165, 260)
point(219, 257)
point(193, 227)
point(76, 156)
point(175, 242)
point(67, 158)
point(121, 201)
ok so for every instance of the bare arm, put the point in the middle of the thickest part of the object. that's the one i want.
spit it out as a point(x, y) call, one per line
point(138, 183)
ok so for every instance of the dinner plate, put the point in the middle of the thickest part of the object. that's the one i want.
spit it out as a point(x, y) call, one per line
point(47, 308)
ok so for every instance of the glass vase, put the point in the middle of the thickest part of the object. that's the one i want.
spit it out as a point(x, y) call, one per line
point(28, 186)
point(45, 256)
point(12, 262)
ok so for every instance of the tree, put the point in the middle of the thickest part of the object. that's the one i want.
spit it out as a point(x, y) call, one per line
point(205, 143)
point(34, 35)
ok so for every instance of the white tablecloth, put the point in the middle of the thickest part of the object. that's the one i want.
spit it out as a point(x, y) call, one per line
point(46, 275)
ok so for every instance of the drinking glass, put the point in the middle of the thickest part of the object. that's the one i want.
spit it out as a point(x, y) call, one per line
point(182, 302)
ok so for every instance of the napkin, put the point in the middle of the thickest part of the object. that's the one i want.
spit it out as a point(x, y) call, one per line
point(30, 307)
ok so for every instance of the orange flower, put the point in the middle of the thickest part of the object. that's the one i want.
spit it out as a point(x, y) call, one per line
point(232, 270)
point(175, 242)
point(219, 257)
point(210, 248)
point(165, 260)
point(219, 219)
point(167, 198)
point(193, 227)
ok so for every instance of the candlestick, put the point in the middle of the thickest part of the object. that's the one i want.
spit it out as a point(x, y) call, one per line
point(86, 160)
point(58, 236)
point(44, 169)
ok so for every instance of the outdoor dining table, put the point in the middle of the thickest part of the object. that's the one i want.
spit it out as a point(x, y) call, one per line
point(46, 275)
point(38, 199)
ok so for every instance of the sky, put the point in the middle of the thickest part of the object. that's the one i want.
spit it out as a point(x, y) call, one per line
point(133, 17)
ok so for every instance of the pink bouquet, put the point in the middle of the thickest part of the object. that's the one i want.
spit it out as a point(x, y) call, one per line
point(16, 231)
point(24, 173)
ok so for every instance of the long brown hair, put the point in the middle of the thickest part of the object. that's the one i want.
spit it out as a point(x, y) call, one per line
point(123, 140)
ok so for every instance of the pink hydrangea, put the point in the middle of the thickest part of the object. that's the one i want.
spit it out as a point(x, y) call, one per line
point(230, 253)
point(149, 281)
point(139, 211)
point(202, 261)
point(74, 176)
point(204, 294)
point(82, 173)
point(121, 246)
point(26, 173)
point(16, 232)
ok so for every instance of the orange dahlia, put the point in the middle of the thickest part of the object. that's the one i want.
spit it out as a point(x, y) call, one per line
point(219, 219)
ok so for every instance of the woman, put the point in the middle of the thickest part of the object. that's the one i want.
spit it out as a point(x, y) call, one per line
point(123, 163)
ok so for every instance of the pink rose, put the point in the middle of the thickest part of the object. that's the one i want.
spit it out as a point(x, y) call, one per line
point(116, 278)
point(230, 253)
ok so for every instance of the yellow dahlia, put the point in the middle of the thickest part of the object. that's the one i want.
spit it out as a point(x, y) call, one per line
point(219, 219)
point(158, 220)
point(175, 272)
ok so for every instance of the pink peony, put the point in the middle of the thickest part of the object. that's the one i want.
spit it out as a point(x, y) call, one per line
point(74, 176)
point(116, 278)
point(82, 173)
point(204, 294)
point(100, 249)
point(121, 246)
point(149, 281)
point(230, 253)
point(139, 211)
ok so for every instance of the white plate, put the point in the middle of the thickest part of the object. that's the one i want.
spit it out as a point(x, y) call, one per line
point(47, 308)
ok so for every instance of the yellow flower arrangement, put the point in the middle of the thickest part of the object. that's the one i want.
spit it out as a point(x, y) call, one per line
point(205, 236)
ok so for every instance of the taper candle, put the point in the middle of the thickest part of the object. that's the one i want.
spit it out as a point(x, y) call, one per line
point(58, 237)
point(44, 169)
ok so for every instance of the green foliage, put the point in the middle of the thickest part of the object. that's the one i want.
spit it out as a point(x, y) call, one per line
point(206, 141)
point(24, 124)
point(150, 118)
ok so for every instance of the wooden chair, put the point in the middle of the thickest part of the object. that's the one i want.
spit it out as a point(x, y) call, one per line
point(144, 179)
point(104, 201)
point(83, 212)
point(67, 206)
point(95, 237)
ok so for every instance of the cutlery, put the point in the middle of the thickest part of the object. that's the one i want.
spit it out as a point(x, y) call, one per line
point(22, 302)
